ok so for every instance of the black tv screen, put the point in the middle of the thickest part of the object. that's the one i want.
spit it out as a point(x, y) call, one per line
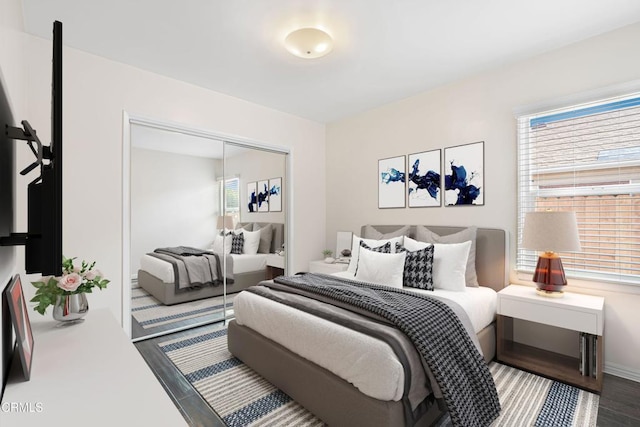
point(43, 240)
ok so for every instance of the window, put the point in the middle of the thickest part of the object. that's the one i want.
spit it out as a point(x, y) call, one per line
point(586, 159)
point(232, 196)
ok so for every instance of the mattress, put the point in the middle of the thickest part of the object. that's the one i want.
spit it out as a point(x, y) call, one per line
point(349, 354)
point(242, 263)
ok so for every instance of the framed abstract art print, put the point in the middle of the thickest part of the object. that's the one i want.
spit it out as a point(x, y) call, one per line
point(464, 175)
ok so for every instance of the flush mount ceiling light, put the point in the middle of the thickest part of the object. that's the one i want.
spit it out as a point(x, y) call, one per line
point(309, 43)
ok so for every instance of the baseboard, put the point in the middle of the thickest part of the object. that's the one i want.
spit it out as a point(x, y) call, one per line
point(621, 371)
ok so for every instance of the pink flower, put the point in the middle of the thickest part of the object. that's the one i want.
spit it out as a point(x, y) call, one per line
point(92, 274)
point(70, 282)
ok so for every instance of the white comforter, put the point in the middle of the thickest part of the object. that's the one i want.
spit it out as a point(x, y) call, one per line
point(349, 354)
point(163, 270)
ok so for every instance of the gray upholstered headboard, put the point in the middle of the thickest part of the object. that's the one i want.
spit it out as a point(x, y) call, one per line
point(491, 251)
point(278, 233)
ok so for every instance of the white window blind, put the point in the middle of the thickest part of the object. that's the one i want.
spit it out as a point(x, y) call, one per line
point(586, 159)
point(232, 195)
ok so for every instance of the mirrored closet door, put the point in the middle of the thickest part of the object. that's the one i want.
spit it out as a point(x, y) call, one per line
point(190, 200)
point(254, 205)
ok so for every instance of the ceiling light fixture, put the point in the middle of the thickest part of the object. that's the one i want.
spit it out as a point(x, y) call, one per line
point(309, 43)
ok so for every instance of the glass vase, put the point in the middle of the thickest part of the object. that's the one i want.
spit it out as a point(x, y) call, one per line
point(70, 308)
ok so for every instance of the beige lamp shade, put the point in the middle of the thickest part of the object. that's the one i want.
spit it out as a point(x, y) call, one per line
point(309, 43)
point(225, 222)
point(551, 231)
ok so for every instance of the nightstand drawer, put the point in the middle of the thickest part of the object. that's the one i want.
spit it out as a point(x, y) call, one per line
point(560, 316)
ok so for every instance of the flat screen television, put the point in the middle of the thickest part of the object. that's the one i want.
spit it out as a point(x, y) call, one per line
point(43, 240)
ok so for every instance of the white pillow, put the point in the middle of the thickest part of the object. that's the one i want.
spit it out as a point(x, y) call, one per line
point(355, 249)
point(251, 242)
point(382, 269)
point(450, 265)
point(222, 245)
point(414, 245)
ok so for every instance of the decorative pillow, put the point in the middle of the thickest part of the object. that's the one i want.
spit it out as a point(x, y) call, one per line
point(384, 249)
point(423, 234)
point(266, 235)
point(244, 226)
point(222, 244)
point(381, 268)
point(413, 245)
point(251, 242)
point(355, 249)
point(237, 243)
point(370, 232)
point(449, 265)
point(418, 267)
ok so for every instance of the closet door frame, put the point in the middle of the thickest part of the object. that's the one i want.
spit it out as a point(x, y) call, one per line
point(129, 119)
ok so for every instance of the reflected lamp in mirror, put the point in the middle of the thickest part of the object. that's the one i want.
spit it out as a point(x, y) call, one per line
point(225, 222)
point(550, 232)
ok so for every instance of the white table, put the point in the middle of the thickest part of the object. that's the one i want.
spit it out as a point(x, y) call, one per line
point(86, 374)
point(577, 312)
point(326, 268)
point(275, 266)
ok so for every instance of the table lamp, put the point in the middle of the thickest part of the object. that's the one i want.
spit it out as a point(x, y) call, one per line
point(225, 222)
point(550, 232)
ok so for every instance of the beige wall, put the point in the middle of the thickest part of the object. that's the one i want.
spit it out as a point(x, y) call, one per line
point(14, 84)
point(174, 201)
point(96, 91)
point(482, 109)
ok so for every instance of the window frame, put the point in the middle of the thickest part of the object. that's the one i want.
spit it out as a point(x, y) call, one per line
point(528, 191)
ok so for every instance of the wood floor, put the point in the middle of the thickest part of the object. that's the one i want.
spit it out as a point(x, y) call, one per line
point(619, 401)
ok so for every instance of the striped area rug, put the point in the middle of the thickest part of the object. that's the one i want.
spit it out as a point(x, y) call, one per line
point(149, 312)
point(241, 397)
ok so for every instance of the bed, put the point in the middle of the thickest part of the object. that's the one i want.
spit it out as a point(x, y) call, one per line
point(157, 276)
point(310, 379)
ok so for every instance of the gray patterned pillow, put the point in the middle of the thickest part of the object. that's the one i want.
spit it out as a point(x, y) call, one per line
point(418, 267)
point(237, 243)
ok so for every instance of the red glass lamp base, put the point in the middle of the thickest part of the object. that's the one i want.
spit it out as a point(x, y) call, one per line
point(549, 275)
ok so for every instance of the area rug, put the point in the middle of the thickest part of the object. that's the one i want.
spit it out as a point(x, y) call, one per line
point(150, 313)
point(241, 397)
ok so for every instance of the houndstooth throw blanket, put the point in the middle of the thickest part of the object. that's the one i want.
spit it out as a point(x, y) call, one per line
point(460, 371)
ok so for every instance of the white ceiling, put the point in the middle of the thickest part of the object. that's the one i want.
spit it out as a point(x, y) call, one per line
point(385, 50)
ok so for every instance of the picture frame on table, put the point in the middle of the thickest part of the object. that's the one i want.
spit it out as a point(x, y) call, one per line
point(464, 175)
point(21, 325)
point(392, 182)
point(424, 187)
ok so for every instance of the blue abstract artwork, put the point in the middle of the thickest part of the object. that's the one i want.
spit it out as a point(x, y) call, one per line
point(424, 179)
point(263, 196)
point(464, 179)
point(392, 182)
point(275, 195)
point(252, 197)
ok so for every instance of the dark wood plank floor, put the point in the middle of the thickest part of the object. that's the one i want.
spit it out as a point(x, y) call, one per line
point(193, 407)
point(619, 401)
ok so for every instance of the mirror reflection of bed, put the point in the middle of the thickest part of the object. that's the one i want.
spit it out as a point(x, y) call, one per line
point(182, 188)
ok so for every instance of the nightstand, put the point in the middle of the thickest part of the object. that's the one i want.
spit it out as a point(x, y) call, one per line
point(326, 268)
point(577, 312)
point(275, 266)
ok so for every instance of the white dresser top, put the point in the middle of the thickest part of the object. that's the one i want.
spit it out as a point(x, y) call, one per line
point(87, 374)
